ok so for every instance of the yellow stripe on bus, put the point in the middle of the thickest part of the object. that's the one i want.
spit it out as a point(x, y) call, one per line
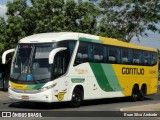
point(19, 86)
point(110, 41)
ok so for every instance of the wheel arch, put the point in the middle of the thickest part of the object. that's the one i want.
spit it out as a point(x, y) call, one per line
point(144, 85)
point(80, 86)
point(136, 85)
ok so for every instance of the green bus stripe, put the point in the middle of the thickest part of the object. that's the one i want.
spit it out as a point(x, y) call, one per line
point(31, 86)
point(77, 80)
point(101, 77)
point(89, 40)
point(111, 76)
point(85, 39)
point(37, 86)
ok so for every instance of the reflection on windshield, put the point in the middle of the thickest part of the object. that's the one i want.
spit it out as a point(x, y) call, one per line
point(32, 61)
point(40, 67)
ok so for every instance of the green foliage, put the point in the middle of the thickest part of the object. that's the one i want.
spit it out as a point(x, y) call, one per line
point(2, 34)
point(128, 18)
point(16, 26)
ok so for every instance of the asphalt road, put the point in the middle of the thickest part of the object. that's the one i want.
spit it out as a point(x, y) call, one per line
point(113, 104)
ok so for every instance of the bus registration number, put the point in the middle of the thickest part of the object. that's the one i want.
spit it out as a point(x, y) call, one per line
point(25, 97)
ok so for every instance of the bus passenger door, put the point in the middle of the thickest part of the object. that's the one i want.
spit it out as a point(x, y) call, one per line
point(60, 65)
point(59, 69)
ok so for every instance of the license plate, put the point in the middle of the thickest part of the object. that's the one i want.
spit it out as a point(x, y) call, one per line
point(25, 97)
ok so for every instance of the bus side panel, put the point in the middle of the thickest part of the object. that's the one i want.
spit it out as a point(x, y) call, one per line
point(61, 89)
point(111, 80)
point(106, 80)
point(129, 75)
point(82, 75)
point(153, 86)
point(92, 76)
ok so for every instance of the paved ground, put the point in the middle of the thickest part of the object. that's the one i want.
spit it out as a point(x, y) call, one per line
point(150, 107)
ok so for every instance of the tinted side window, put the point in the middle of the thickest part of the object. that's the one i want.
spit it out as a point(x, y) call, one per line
point(146, 58)
point(137, 57)
point(153, 58)
point(125, 56)
point(83, 53)
point(70, 44)
point(105, 54)
point(62, 59)
point(98, 53)
point(114, 55)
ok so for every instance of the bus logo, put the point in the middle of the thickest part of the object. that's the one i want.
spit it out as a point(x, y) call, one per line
point(60, 96)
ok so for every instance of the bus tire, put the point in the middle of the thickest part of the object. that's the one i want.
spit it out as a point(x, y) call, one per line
point(135, 94)
point(142, 93)
point(76, 99)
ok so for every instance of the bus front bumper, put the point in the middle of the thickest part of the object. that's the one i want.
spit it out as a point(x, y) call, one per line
point(44, 96)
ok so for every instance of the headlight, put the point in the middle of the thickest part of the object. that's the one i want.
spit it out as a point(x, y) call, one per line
point(48, 87)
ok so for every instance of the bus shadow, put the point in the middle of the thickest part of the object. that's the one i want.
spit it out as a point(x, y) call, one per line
point(38, 106)
point(111, 101)
point(63, 105)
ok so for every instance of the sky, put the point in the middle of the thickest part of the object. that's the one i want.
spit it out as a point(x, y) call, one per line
point(153, 40)
point(3, 2)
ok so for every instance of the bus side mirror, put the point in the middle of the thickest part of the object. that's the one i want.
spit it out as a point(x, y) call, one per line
point(54, 52)
point(4, 55)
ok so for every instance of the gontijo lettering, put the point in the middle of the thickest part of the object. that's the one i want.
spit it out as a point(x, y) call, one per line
point(133, 71)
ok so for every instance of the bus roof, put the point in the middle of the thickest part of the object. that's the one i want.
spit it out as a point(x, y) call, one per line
point(58, 36)
point(49, 37)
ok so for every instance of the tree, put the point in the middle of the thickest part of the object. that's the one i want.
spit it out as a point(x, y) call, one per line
point(46, 16)
point(2, 34)
point(59, 15)
point(17, 27)
point(128, 18)
point(111, 18)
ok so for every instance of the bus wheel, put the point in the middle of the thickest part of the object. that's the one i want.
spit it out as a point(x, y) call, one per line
point(76, 98)
point(142, 93)
point(135, 93)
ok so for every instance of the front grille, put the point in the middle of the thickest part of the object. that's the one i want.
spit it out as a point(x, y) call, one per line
point(26, 91)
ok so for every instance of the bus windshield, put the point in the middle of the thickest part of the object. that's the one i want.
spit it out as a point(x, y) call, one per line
point(31, 62)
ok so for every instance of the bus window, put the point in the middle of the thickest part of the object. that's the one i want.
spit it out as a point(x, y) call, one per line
point(114, 55)
point(84, 53)
point(146, 58)
point(125, 56)
point(105, 54)
point(98, 53)
point(62, 59)
point(60, 65)
point(136, 57)
point(153, 58)
point(69, 44)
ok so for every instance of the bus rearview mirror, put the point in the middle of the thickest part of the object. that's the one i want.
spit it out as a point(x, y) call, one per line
point(5, 54)
point(54, 52)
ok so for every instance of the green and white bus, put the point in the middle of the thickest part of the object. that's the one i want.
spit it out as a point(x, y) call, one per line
point(68, 66)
